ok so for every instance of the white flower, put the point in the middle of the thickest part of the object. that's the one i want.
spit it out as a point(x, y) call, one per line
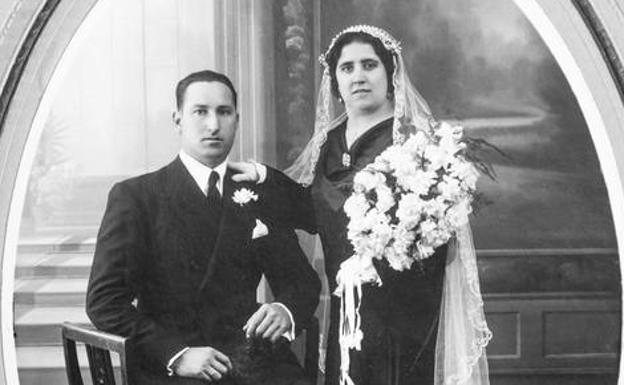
point(447, 131)
point(419, 182)
point(466, 172)
point(399, 159)
point(397, 252)
point(398, 258)
point(382, 165)
point(382, 230)
point(243, 196)
point(356, 206)
point(385, 200)
point(417, 142)
point(435, 207)
point(427, 226)
point(371, 247)
point(424, 251)
point(449, 188)
point(457, 215)
point(366, 222)
point(436, 157)
point(437, 237)
point(368, 180)
point(409, 210)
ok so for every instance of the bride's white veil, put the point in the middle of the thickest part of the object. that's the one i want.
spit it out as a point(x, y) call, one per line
point(462, 332)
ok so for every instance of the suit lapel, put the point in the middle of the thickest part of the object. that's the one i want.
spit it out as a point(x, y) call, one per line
point(185, 191)
point(234, 230)
point(195, 227)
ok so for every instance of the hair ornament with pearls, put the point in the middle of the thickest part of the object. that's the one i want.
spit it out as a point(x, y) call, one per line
point(388, 41)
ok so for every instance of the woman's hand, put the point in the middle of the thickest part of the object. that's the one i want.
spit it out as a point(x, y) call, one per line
point(245, 171)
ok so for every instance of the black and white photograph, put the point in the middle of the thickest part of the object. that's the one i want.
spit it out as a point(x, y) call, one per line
point(311, 192)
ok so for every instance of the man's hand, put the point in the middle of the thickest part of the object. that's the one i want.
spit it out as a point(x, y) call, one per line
point(203, 363)
point(245, 172)
point(271, 321)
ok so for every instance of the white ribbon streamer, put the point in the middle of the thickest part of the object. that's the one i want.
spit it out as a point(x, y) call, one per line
point(353, 272)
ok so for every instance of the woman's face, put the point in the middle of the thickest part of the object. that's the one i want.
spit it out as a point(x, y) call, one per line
point(362, 79)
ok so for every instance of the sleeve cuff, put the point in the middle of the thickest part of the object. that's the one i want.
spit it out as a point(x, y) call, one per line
point(289, 335)
point(262, 172)
point(173, 360)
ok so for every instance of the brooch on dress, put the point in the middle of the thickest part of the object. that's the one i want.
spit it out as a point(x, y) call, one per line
point(346, 160)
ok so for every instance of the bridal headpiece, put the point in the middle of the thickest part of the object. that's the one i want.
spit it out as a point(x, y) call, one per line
point(388, 41)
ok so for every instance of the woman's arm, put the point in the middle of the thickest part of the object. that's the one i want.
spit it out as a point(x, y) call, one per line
point(290, 203)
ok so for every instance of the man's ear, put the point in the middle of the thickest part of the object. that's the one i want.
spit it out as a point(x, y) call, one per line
point(175, 116)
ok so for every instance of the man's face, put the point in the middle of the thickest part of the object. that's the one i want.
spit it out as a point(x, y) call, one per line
point(207, 122)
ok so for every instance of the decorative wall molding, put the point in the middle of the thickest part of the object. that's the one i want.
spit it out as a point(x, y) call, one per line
point(564, 296)
point(485, 253)
point(535, 340)
point(52, 27)
point(580, 55)
point(17, 67)
point(9, 22)
point(550, 271)
point(603, 41)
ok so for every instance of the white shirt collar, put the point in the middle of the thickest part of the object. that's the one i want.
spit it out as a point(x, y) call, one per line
point(201, 172)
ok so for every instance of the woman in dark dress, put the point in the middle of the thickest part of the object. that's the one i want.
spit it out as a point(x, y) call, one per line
point(399, 320)
point(400, 316)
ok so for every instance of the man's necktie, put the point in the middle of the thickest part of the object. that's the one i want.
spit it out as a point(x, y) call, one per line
point(213, 196)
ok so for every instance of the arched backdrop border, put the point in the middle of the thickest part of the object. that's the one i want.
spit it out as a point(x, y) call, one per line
point(603, 41)
point(42, 44)
point(592, 63)
point(579, 33)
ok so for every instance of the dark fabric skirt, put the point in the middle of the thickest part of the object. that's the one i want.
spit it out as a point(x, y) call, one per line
point(387, 357)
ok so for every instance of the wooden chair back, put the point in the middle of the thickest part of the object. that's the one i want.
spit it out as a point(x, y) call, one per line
point(99, 344)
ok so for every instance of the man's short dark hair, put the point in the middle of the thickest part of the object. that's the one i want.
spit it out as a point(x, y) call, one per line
point(202, 76)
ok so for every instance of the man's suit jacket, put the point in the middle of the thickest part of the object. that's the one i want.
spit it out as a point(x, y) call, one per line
point(193, 277)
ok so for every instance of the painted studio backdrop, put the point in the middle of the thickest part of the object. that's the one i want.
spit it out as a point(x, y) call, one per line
point(546, 245)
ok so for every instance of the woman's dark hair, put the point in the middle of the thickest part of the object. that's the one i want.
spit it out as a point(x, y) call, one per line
point(384, 54)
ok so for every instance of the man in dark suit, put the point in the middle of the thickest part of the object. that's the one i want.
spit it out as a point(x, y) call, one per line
point(180, 253)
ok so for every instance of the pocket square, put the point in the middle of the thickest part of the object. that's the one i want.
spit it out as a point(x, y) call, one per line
point(260, 230)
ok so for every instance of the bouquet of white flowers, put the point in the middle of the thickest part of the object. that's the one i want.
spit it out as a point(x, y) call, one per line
point(409, 201)
point(412, 198)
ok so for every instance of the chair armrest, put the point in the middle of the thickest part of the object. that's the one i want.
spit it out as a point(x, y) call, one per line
point(98, 345)
point(89, 335)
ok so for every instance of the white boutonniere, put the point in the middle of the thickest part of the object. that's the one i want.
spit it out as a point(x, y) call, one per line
point(243, 196)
